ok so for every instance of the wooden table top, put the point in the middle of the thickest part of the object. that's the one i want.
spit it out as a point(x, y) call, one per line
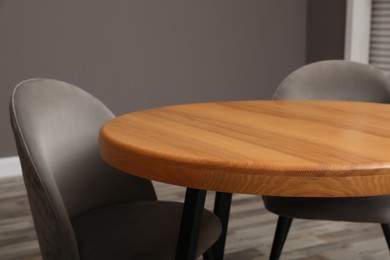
point(282, 148)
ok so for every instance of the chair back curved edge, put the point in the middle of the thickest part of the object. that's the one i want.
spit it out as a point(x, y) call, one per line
point(335, 80)
point(52, 224)
point(65, 176)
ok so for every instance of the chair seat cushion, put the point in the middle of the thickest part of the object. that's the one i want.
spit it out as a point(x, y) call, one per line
point(356, 209)
point(138, 230)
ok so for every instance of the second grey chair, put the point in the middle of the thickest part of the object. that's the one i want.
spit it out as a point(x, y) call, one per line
point(331, 80)
point(83, 208)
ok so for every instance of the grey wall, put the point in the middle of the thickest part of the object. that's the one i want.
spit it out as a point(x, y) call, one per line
point(135, 54)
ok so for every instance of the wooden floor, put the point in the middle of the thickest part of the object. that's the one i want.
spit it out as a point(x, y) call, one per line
point(250, 230)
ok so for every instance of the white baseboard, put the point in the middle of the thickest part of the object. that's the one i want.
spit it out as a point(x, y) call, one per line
point(10, 166)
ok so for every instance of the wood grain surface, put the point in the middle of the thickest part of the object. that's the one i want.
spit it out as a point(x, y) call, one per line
point(283, 148)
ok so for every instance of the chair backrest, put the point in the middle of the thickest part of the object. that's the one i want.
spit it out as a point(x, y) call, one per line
point(56, 127)
point(336, 80)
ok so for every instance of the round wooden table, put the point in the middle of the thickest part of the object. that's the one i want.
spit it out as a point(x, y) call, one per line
point(283, 148)
point(280, 148)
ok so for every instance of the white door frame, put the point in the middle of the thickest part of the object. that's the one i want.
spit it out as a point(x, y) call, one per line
point(357, 34)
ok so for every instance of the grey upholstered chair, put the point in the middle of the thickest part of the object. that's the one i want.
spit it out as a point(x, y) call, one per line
point(331, 80)
point(83, 208)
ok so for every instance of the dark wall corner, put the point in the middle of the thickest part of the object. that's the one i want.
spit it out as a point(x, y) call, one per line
point(325, 30)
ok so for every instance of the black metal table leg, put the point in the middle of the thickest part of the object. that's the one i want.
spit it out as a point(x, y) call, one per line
point(190, 224)
point(282, 228)
point(222, 210)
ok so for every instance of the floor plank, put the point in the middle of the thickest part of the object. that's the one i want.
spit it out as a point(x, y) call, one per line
point(250, 232)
